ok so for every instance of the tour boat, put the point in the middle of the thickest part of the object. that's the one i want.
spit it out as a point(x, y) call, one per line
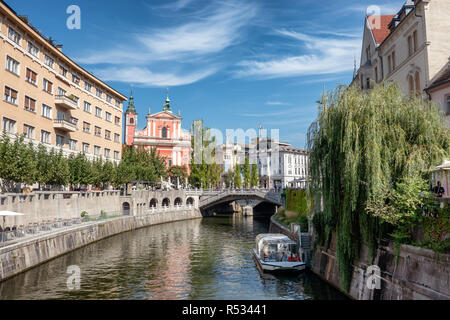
point(276, 252)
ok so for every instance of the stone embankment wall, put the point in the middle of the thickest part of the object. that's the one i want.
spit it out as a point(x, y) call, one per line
point(41, 206)
point(419, 273)
point(16, 258)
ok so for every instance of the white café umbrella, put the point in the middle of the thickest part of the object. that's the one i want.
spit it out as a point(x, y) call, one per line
point(5, 214)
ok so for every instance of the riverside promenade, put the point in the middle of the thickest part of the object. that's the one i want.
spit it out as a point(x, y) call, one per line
point(28, 245)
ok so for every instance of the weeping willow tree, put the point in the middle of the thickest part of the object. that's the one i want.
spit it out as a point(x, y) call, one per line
point(364, 147)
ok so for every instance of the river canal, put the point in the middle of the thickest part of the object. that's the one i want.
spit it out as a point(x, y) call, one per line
point(198, 259)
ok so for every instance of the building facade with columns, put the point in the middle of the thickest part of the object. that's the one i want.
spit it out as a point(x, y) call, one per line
point(162, 132)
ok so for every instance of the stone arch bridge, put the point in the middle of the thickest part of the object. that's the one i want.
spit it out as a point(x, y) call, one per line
point(268, 200)
point(143, 201)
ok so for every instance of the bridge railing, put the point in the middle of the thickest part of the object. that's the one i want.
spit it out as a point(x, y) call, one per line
point(212, 196)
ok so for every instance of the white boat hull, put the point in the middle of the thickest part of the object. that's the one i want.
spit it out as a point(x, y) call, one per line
point(278, 266)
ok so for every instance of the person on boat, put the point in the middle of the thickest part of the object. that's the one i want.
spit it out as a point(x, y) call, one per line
point(272, 255)
point(294, 258)
point(284, 258)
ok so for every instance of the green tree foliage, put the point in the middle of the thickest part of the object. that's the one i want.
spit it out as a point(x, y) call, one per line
point(80, 169)
point(23, 163)
point(207, 173)
point(141, 165)
point(237, 176)
point(247, 173)
point(178, 172)
point(59, 169)
point(43, 165)
point(299, 201)
point(366, 150)
point(254, 181)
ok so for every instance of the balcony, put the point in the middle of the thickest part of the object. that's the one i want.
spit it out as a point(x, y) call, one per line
point(65, 125)
point(66, 102)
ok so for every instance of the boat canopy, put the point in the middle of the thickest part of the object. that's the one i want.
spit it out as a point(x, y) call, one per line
point(273, 238)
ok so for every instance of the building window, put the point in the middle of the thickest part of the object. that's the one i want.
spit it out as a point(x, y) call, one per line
point(86, 127)
point(86, 148)
point(49, 62)
point(116, 155)
point(28, 131)
point(393, 60)
point(117, 121)
point(164, 132)
point(368, 53)
point(9, 126)
point(60, 141)
point(62, 71)
point(108, 98)
point(98, 112)
point(45, 136)
point(12, 65)
point(108, 116)
point(48, 86)
point(14, 35)
point(61, 92)
point(87, 86)
point(11, 95)
point(417, 82)
point(98, 131)
point(99, 93)
point(31, 76)
point(117, 137)
point(97, 150)
point(87, 107)
point(376, 74)
point(30, 104)
point(46, 111)
point(117, 103)
point(410, 46)
point(411, 84)
point(107, 153)
point(368, 83)
point(33, 50)
point(389, 63)
point(73, 145)
point(107, 135)
point(415, 40)
point(447, 112)
point(76, 79)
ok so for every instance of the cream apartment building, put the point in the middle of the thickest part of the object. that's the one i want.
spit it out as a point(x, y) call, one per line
point(50, 99)
point(410, 48)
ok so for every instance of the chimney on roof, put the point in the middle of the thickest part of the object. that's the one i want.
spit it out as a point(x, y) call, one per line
point(59, 47)
point(24, 19)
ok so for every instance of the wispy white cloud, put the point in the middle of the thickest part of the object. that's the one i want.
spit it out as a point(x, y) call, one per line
point(147, 78)
point(290, 111)
point(379, 8)
point(324, 55)
point(176, 55)
point(277, 103)
point(212, 31)
point(176, 5)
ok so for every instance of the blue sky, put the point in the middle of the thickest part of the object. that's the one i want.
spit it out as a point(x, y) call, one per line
point(233, 63)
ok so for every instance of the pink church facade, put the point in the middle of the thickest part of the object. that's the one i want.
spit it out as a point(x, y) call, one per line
point(163, 132)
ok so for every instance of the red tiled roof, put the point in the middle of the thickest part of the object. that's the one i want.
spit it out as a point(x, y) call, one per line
point(380, 30)
point(443, 79)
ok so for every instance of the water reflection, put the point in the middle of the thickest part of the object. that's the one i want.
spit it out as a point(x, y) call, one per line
point(197, 259)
